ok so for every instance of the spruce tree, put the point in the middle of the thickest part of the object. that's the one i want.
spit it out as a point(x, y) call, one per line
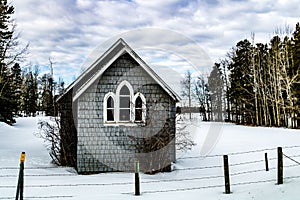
point(16, 85)
point(6, 96)
point(47, 99)
point(6, 34)
point(6, 28)
point(215, 85)
point(60, 86)
point(241, 79)
point(30, 95)
point(9, 55)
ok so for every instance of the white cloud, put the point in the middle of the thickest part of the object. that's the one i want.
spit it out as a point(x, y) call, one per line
point(84, 4)
point(67, 31)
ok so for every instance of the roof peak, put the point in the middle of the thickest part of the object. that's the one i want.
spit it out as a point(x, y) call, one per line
point(97, 68)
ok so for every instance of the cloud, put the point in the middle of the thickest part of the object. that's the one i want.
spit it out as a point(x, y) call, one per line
point(159, 46)
point(68, 31)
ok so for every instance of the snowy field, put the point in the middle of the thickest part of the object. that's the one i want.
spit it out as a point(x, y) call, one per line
point(194, 176)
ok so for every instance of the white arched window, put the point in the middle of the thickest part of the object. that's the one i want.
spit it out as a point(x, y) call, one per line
point(124, 106)
point(124, 97)
point(109, 109)
point(139, 107)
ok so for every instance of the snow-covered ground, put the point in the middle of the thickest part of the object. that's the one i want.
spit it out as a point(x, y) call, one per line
point(194, 176)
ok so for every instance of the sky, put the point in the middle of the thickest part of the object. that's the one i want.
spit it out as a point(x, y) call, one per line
point(178, 34)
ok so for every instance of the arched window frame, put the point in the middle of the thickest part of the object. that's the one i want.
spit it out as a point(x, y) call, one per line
point(110, 94)
point(143, 107)
point(120, 86)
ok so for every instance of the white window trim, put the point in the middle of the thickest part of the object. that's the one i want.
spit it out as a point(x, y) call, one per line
point(128, 85)
point(110, 94)
point(116, 99)
point(143, 106)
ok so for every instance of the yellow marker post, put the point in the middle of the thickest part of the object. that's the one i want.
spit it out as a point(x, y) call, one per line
point(22, 157)
point(20, 186)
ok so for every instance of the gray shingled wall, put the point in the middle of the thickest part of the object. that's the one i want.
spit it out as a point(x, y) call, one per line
point(103, 148)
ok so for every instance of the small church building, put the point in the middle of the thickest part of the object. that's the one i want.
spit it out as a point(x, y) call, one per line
point(116, 112)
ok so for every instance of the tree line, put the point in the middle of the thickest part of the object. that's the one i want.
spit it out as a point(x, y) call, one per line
point(255, 84)
point(23, 91)
point(26, 92)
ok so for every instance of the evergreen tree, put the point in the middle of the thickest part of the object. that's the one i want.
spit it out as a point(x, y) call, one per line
point(215, 85)
point(6, 29)
point(264, 81)
point(16, 85)
point(9, 55)
point(34, 95)
point(60, 86)
point(241, 79)
point(6, 96)
point(26, 95)
point(6, 34)
point(47, 98)
point(30, 94)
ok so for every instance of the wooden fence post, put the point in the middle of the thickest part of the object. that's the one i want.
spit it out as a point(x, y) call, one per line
point(266, 161)
point(226, 174)
point(280, 166)
point(137, 178)
point(20, 187)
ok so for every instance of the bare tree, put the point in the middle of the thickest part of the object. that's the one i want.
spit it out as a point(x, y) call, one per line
point(186, 91)
point(155, 146)
point(203, 97)
point(255, 80)
point(224, 64)
point(49, 131)
point(184, 141)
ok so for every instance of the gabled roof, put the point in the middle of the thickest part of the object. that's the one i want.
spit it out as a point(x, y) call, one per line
point(92, 73)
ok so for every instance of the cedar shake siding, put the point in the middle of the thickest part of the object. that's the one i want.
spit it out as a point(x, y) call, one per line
point(123, 114)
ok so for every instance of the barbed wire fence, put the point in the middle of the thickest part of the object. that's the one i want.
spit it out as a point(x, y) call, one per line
point(220, 177)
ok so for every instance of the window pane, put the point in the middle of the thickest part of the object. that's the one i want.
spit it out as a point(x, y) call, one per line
point(110, 115)
point(124, 91)
point(110, 102)
point(124, 114)
point(138, 102)
point(124, 102)
point(138, 114)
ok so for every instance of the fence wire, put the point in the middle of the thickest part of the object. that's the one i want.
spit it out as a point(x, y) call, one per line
point(238, 153)
point(213, 186)
point(34, 168)
point(41, 197)
point(291, 157)
point(179, 189)
point(35, 175)
point(199, 168)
